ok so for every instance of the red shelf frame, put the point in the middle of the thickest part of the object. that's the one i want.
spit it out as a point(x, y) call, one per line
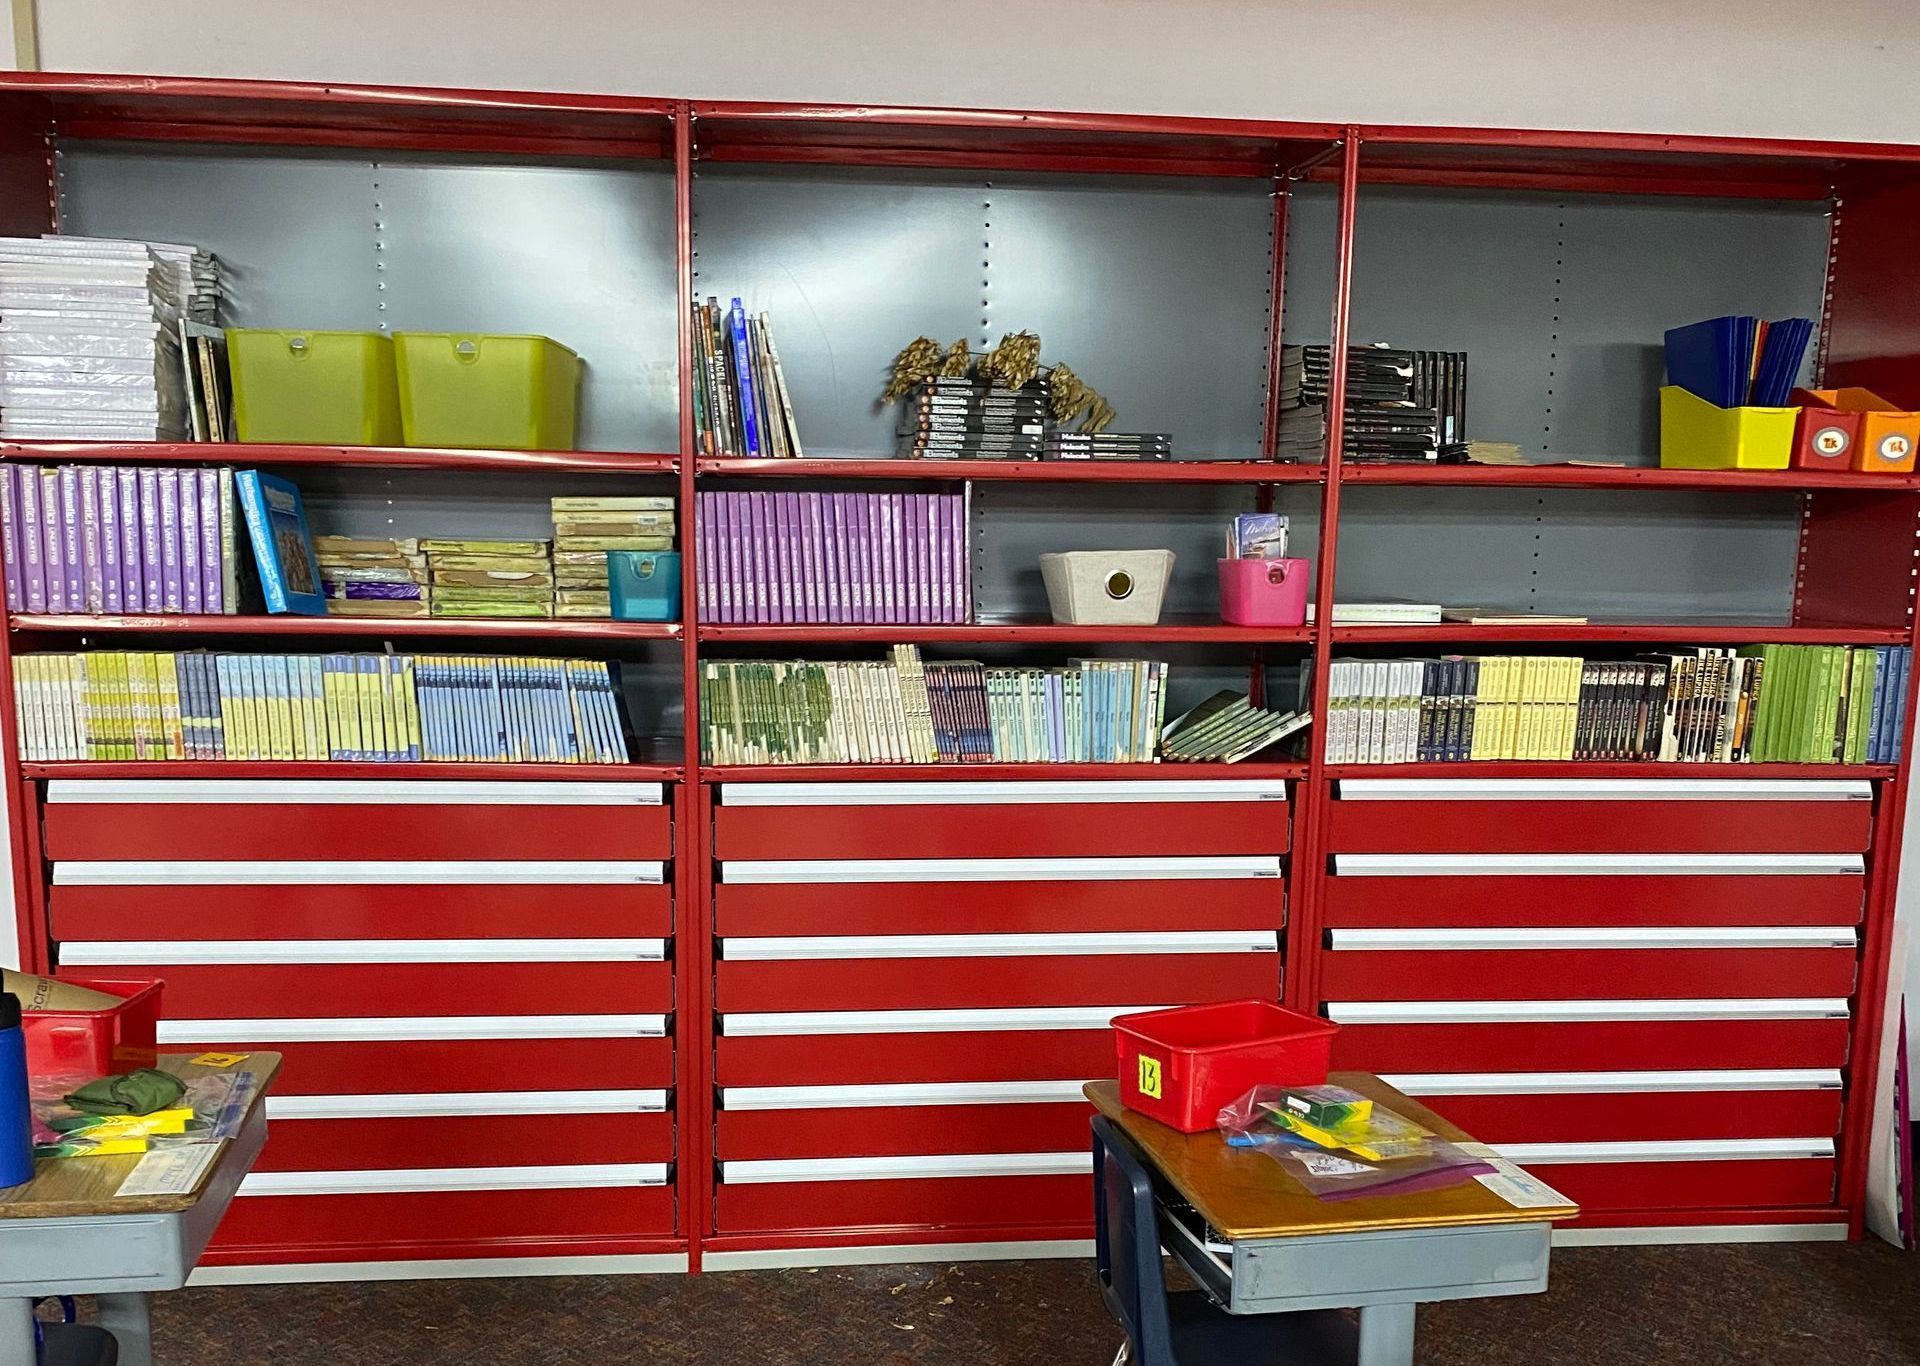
point(1628, 477)
point(269, 770)
point(1847, 522)
point(341, 457)
point(1024, 471)
point(1576, 768)
point(545, 629)
point(1444, 634)
point(915, 773)
point(1011, 632)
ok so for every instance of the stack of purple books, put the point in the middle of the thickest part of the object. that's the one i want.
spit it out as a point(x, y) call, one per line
point(111, 539)
point(833, 558)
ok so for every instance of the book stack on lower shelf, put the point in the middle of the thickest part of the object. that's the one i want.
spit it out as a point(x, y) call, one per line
point(372, 708)
point(906, 711)
point(489, 578)
point(370, 577)
point(586, 529)
point(108, 539)
point(1801, 704)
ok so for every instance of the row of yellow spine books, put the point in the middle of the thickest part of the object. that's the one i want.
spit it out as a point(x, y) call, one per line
point(1526, 707)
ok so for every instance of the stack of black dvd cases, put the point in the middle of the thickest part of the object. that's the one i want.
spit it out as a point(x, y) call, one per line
point(971, 419)
point(1065, 445)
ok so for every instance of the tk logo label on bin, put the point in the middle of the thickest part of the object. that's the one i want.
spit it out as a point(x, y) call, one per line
point(1150, 1077)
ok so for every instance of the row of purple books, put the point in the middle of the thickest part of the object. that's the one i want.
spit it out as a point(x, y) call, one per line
point(833, 558)
point(107, 539)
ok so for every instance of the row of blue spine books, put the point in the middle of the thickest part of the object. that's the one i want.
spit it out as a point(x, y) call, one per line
point(483, 709)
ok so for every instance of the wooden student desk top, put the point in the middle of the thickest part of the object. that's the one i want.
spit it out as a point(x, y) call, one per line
point(76, 1187)
point(1244, 1193)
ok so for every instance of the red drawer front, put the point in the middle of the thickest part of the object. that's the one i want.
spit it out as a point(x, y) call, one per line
point(1591, 1045)
point(856, 1059)
point(1691, 1185)
point(387, 1067)
point(873, 1131)
point(364, 911)
point(326, 830)
point(946, 983)
point(1643, 827)
point(284, 1227)
point(1413, 902)
point(224, 990)
point(1560, 974)
point(953, 1203)
point(1017, 829)
point(1642, 1115)
point(302, 1145)
point(995, 907)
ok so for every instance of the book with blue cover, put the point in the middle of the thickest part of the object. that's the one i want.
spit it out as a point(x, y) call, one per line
point(282, 545)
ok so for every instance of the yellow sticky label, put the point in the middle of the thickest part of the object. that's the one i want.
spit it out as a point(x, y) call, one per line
point(219, 1059)
point(1149, 1076)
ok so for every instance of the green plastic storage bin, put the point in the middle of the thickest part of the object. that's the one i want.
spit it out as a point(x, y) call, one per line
point(314, 388)
point(501, 393)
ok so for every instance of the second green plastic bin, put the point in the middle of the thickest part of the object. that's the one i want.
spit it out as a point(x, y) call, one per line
point(313, 388)
point(472, 389)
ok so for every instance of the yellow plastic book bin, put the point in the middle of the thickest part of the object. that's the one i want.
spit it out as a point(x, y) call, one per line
point(495, 392)
point(1697, 435)
point(314, 388)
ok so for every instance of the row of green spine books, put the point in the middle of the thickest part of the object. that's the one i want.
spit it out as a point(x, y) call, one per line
point(905, 711)
point(351, 708)
point(1825, 704)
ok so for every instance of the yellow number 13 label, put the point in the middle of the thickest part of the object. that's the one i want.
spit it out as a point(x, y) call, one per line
point(1150, 1077)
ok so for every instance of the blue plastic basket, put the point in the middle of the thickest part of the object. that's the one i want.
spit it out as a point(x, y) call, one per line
point(644, 585)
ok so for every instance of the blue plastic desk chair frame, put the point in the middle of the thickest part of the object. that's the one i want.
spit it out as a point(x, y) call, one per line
point(1184, 1328)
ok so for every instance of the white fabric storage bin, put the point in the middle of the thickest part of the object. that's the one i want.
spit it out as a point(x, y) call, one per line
point(1106, 587)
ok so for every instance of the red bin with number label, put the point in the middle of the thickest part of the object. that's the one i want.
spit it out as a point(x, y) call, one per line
point(1183, 1066)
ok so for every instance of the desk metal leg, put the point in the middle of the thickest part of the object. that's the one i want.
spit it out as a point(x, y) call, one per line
point(125, 1316)
point(1386, 1335)
point(16, 1333)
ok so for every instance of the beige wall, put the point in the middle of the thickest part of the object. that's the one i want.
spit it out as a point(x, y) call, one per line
point(1787, 68)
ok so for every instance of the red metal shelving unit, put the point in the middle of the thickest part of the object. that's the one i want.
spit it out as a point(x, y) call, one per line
point(1852, 583)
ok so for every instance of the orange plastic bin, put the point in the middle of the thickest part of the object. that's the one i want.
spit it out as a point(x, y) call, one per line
point(1183, 1066)
point(1889, 437)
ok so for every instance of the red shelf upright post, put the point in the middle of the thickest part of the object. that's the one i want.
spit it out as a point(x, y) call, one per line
point(1306, 867)
point(693, 934)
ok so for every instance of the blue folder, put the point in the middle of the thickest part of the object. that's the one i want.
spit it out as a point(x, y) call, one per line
point(1715, 360)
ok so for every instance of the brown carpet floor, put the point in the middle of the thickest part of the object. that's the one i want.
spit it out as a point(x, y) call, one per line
point(1800, 1304)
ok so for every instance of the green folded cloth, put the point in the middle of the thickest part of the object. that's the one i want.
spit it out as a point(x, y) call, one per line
point(130, 1093)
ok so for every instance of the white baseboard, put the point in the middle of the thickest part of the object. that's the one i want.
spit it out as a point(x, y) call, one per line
point(903, 1253)
point(434, 1269)
point(1704, 1233)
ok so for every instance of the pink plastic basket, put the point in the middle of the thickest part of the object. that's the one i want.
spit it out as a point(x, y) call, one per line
point(1264, 592)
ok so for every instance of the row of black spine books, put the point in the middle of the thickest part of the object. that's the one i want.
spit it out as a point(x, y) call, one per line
point(1064, 445)
point(971, 419)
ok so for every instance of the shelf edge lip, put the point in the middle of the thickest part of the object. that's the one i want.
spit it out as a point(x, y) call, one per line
point(1014, 771)
point(184, 623)
point(1019, 471)
point(1622, 477)
point(991, 632)
point(333, 453)
point(241, 769)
